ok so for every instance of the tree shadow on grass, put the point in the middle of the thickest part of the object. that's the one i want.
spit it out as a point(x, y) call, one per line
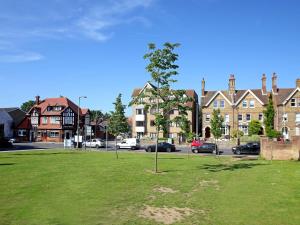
point(7, 164)
point(45, 153)
point(229, 167)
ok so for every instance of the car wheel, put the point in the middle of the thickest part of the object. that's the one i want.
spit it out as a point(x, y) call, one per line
point(97, 146)
point(169, 150)
point(132, 148)
point(238, 152)
point(148, 149)
point(196, 151)
point(118, 147)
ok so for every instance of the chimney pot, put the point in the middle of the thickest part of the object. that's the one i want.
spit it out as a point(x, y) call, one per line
point(298, 83)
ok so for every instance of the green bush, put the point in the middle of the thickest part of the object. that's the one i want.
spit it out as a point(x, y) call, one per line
point(253, 138)
point(236, 133)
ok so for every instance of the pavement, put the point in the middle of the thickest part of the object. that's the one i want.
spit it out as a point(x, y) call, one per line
point(110, 147)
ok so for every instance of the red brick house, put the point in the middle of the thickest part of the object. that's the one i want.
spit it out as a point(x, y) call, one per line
point(54, 119)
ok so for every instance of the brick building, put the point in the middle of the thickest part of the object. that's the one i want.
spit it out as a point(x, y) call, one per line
point(143, 121)
point(53, 120)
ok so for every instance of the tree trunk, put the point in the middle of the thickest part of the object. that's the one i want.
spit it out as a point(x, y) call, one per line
point(116, 149)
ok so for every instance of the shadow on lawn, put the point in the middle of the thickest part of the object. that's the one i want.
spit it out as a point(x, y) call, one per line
point(7, 164)
point(45, 153)
point(230, 167)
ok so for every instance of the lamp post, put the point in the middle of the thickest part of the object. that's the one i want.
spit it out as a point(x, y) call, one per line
point(78, 119)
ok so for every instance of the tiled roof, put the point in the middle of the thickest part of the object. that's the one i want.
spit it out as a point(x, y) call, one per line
point(62, 101)
point(15, 113)
point(283, 94)
point(25, 124)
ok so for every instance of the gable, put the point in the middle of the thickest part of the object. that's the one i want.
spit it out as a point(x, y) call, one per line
point(294, 94)
point(249, 95)
point(216, 95)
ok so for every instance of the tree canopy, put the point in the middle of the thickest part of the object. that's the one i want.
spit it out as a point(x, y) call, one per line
point(26, 106)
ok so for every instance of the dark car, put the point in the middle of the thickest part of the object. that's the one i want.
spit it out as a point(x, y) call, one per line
point(249, 148)
point(162, 147)
point(205, 148)
point(5, 144)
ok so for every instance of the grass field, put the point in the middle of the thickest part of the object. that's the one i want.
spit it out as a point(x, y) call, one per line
point(64, 187)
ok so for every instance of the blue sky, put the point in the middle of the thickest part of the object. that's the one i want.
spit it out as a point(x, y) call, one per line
point(96, 48)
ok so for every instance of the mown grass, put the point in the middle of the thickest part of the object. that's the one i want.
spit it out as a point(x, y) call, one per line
point(65, 187)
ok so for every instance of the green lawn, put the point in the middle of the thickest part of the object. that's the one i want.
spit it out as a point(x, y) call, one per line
point(64, 187)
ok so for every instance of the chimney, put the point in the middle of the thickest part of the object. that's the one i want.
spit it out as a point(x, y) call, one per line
point(231, 85)
point(298, 83)
point(274, 83)
point(37, 100)
point(203, 87)
point(264, 84)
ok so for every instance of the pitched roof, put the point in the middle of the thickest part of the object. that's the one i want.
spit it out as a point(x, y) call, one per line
point(25, 124)
point(283, 94)
point(61, 101)
point(15, 113)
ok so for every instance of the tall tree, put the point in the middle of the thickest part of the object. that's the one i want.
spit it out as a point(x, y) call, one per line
point(26, 106)
point(162, 98)
point(216, 125)
point(269, 115)
point(118, 122)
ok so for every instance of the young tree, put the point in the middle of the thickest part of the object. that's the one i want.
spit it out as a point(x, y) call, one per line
point(118, 122)
point(162, 98)
point(254, 127)
point(216, 125)
point(269, 115)
point(26, 106)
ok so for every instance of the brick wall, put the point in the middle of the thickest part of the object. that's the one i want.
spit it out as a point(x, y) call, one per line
point(280, 151)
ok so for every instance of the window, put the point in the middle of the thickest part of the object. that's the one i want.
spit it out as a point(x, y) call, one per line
point(139, 123)
point(21, 133)
point(248, 117)
point(298, 117)
point(152, 123)
point(226, 118)
point(171, 124)
point(260, 117)
point(152, 135)
point(152, 100)
point(54, 120)
point(44, 120)
point(57, 108)
point(207, 118)
point(297, 131)
point(222, 104)
point(141, 100)
point(171, 135)
point(240, 117)
point(293, 102)
point(245, 104)
point(285, 117)
point(225, 130)
point(177, 124)
point(140, 134)
point(139, 111)
point(251, 103)
point(244, 128)
point(216, 104)
point(298, 102)
point(54, 134)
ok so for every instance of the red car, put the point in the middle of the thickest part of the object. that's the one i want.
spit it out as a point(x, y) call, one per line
point(196, 143)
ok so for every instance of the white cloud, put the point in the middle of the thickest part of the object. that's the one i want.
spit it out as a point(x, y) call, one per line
point(20, 57)
point(63, 19)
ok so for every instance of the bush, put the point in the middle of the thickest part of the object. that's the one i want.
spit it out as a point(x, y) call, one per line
point(236, 133)
point(253, 138)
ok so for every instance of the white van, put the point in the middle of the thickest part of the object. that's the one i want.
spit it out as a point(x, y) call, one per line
point(131, 143)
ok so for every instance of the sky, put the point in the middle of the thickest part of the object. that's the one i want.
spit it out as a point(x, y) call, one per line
point(95, 48)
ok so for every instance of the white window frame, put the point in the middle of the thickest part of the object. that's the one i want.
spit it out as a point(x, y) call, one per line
point(222, 104)
point(54, 120)
point(215, 104)
point(240, 117)
point(44, 120)
point(252, 104)
point(245, 104)
point(53, 134)
point(285, 117)
point(22, 133)
point(248, 119)
point(227, 118)
point(297, 117)
point(207, 118)
point(293, 101)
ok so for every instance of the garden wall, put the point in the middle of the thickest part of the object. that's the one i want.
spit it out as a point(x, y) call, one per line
point(277, 150)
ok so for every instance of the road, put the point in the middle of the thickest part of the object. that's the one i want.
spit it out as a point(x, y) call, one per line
point(45, 146)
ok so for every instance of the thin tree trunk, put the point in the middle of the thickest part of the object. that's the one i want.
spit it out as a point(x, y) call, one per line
point(157, 130)
point(116, 149)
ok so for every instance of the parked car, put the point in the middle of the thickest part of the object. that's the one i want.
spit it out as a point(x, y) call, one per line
point(162, 147)
point(249, 148)
point(4, 143)
point(205, 147)
point(130, 143)
point(12, 140)
point(196, 143)
point(94, 143)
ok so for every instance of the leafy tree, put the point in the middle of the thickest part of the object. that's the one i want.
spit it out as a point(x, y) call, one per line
point(216, 125)
point(162, 98)
point(26, 106)
point(269, 115)
point(237, 133)
point(98, 114)
point(118, 122)
point(254, 127)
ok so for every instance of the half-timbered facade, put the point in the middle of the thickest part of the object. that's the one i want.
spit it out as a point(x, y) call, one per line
point(55, 119)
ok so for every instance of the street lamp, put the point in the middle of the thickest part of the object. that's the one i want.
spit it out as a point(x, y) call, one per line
point(78, 119)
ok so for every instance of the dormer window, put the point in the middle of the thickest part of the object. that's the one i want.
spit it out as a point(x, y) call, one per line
point(293, 102)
